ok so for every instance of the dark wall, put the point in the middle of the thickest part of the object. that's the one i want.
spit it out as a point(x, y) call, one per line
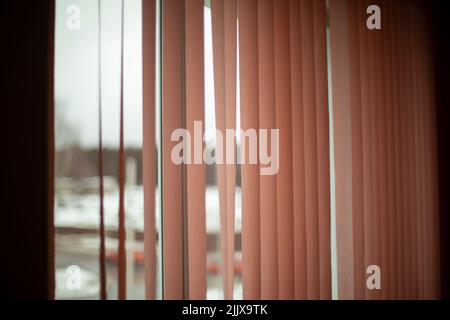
point(441, 11)
point(24, 228)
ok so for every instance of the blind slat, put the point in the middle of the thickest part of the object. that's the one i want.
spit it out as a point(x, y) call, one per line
point(172, 118)
point(284, 125)
point(194, 96)
point(310, 127)
point(323, 151)
point(298, 152)
point(249, 104)
point(149, 143)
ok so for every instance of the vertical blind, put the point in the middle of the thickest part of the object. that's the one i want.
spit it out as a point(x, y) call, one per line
point(286, 242)
point(183, 185)
point(384, 134)
point(384, 141)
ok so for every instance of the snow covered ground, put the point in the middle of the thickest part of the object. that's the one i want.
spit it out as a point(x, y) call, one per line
point(77, 221)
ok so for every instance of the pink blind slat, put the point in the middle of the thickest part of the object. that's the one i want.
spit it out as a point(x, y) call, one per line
point(149, 143)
